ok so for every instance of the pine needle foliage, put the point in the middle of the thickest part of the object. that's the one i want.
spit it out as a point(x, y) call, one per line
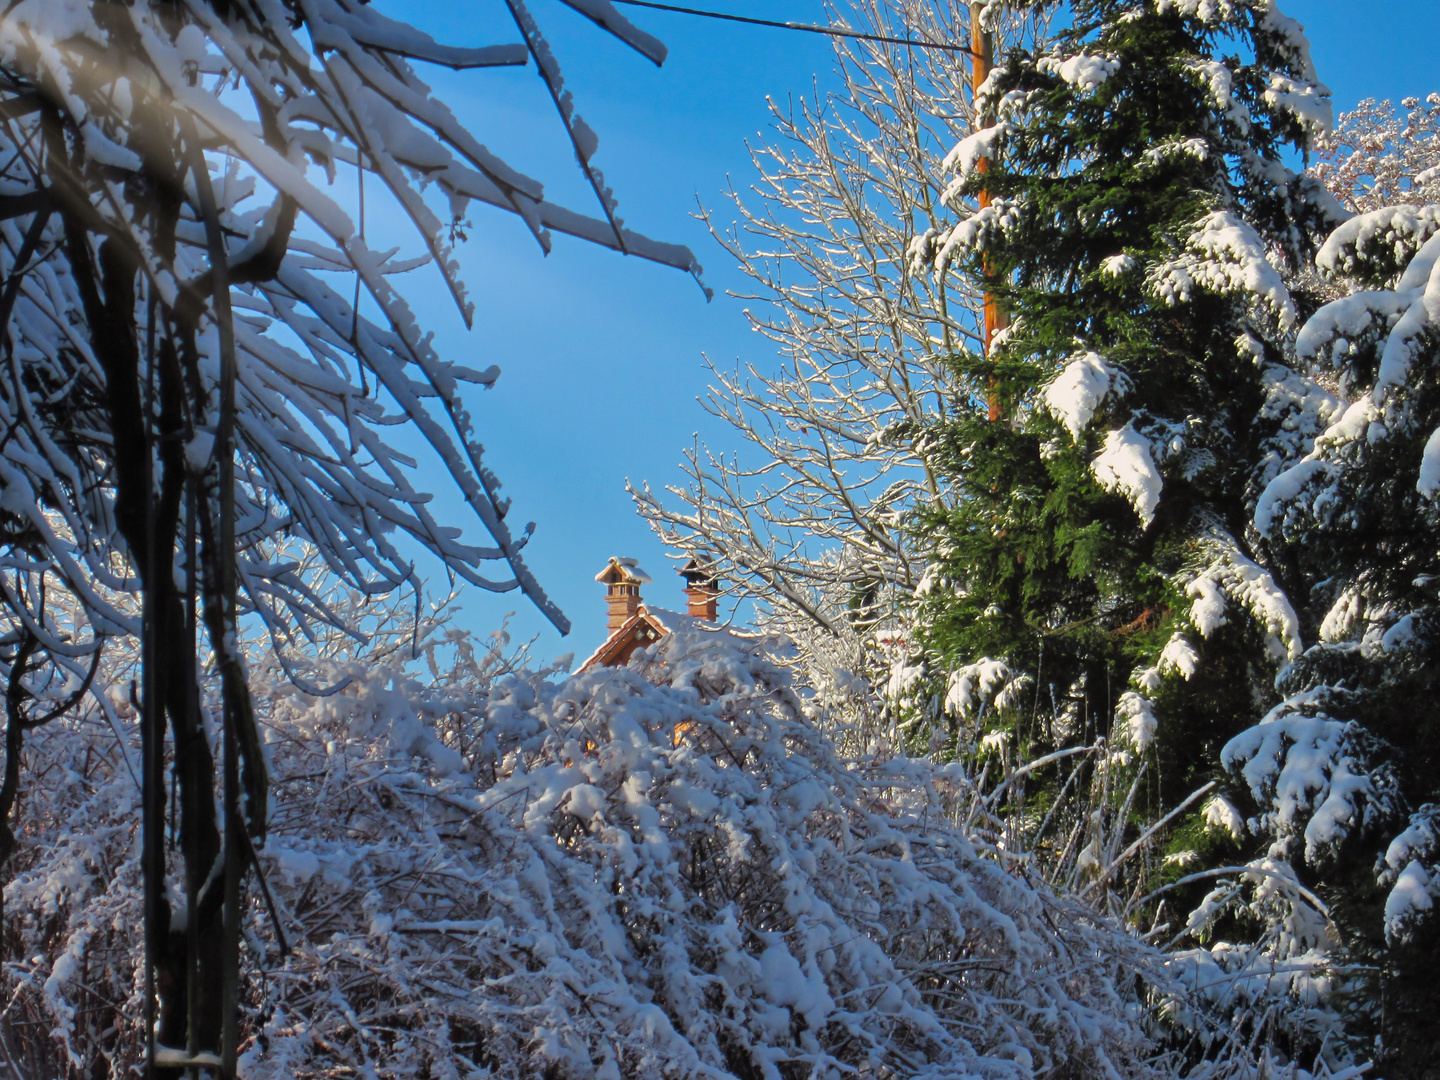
point(1140, 213)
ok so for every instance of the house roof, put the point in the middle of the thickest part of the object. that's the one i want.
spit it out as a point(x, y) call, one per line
point(626, 639)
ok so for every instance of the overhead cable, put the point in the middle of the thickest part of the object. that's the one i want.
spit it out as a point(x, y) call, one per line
point(809, 28)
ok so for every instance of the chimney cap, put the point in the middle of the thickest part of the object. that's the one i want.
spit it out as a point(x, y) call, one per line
point(699, 577)
point(622, 571)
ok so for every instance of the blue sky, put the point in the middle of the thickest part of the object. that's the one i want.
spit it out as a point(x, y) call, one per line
point(602, 355)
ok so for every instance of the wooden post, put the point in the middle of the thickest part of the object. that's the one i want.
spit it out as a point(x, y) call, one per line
point(982, 58)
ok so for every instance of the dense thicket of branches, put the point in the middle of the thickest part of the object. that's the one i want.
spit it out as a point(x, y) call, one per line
point(1377, 157)
point(189, 380)
point(664, 871)
point(801, 509)
point(719, 861)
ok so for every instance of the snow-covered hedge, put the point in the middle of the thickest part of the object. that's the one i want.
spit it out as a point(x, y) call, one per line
point(658, 871)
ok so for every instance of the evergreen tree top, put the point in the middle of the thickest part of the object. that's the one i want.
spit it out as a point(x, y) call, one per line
point(1143, 116)
point(1131, 203)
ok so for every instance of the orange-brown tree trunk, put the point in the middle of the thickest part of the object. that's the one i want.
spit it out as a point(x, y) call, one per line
point(982, 58)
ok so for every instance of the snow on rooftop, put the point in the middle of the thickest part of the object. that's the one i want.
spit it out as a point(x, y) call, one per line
point(632, 567)
point(629, 568)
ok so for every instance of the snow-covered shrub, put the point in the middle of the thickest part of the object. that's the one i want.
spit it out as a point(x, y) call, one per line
point(659, 871)
point(206, 358)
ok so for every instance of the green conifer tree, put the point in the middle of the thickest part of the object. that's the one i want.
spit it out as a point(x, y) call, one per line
point(1340, 783)
point(1141, 210)
point(1097, 535)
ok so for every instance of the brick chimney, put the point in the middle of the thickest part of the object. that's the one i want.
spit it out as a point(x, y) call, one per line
point(622, 579)
point(702, 591)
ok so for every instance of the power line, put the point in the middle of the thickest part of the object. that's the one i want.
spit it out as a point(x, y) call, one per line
point(809, 28)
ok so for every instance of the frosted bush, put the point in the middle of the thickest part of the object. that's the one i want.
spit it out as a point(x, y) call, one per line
point(661, 871)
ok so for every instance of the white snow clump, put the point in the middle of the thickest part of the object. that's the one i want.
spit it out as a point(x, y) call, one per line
point(1225, 255)
point(1125, 465)
point(1074, 395)
point(1085, 73)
